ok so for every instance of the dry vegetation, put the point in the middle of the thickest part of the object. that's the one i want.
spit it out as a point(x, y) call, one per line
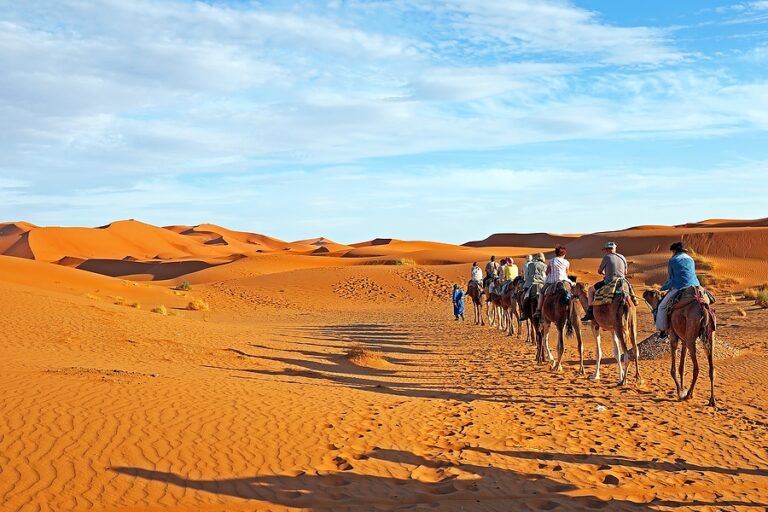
point(198, 305)
point(161, 310)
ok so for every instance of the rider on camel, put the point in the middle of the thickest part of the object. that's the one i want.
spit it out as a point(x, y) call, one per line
point(682, 274)
point(535, 275)
point(510, 270)
point(528, 260)
point(612, 266)
point(491, 271)
point(557, 271)
point(476, 274)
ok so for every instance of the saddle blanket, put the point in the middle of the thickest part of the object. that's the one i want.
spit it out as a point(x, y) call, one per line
point(608, 292)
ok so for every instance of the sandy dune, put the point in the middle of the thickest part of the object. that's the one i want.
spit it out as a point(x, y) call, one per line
point(322, 382)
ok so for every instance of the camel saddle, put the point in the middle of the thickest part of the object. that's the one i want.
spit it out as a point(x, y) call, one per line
point(691, 294)
point(617, 287)
point(553, 288)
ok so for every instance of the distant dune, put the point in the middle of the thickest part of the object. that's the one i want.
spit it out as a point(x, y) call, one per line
point(141, 251)
point(523, 240)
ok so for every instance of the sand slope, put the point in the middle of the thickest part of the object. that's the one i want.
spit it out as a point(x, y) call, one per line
point(344, 384)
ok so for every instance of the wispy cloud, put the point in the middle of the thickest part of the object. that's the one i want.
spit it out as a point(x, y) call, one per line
point(99, 99)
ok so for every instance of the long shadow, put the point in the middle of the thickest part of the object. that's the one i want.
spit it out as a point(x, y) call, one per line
point(412, 390)
point(600, 460)
point(484, 488)
point(377, 334)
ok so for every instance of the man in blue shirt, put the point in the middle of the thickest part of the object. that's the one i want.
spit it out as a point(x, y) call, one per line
point(682, 274)
point(458, 302)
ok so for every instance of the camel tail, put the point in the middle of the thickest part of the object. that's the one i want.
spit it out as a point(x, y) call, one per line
point(707, 329)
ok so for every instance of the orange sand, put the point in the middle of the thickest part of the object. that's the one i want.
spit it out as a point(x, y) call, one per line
point(323, 382)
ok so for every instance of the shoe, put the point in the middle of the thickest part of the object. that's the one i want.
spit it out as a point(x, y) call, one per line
point(589, 316)
point(663, 335)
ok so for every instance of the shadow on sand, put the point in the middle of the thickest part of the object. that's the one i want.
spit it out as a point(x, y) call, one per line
point(477, 488)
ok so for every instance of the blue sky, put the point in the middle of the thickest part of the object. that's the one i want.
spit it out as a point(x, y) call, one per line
point(412, 119)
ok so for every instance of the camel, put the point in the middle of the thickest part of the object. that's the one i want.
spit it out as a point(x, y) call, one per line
point(619, 318)
point(691, 318)
point(560, 309)
point(476, 292)
point(510, 306)
point(493, 302)
point(521, 308)
point(528, 308)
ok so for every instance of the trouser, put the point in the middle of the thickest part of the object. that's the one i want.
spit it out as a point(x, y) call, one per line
point(662, 320)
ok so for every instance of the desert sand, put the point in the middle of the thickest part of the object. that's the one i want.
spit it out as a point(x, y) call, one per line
point(316, 375)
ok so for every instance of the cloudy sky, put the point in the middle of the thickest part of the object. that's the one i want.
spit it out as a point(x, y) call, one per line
point(446, 120)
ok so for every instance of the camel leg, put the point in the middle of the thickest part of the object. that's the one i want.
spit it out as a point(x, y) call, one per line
point(710, 359)
point(545, 342)
point(683, 352)
point(617, 354)
point(673, 369)
point(635, 351)
point(695, 360)
point(581, 345)
point(598, 352)
point(558, 367)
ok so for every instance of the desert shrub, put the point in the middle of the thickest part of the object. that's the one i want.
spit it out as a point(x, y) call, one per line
point(162, 310)
point(750, 293)
point(762, 298)
point(198, 305)
point(184, 286)
point(90, 296)
point(119, 301)
point(135, 305)
point(712, 281)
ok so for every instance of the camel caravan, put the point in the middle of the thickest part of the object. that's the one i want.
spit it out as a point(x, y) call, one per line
point(542, 295)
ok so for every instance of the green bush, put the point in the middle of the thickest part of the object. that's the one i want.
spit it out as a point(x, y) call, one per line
point(184, 286)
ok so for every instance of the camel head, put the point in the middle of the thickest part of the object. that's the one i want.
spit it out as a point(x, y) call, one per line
point(579, 290)
point(652, 297)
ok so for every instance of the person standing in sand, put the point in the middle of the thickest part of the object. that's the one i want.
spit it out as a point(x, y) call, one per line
point(458, 302)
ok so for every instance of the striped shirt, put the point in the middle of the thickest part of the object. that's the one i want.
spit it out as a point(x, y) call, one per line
point(558, 269)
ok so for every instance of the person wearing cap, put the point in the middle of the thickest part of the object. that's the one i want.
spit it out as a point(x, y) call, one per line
point(535, 275)
point(528, 260)
point(612, 266)
point(682, 274)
